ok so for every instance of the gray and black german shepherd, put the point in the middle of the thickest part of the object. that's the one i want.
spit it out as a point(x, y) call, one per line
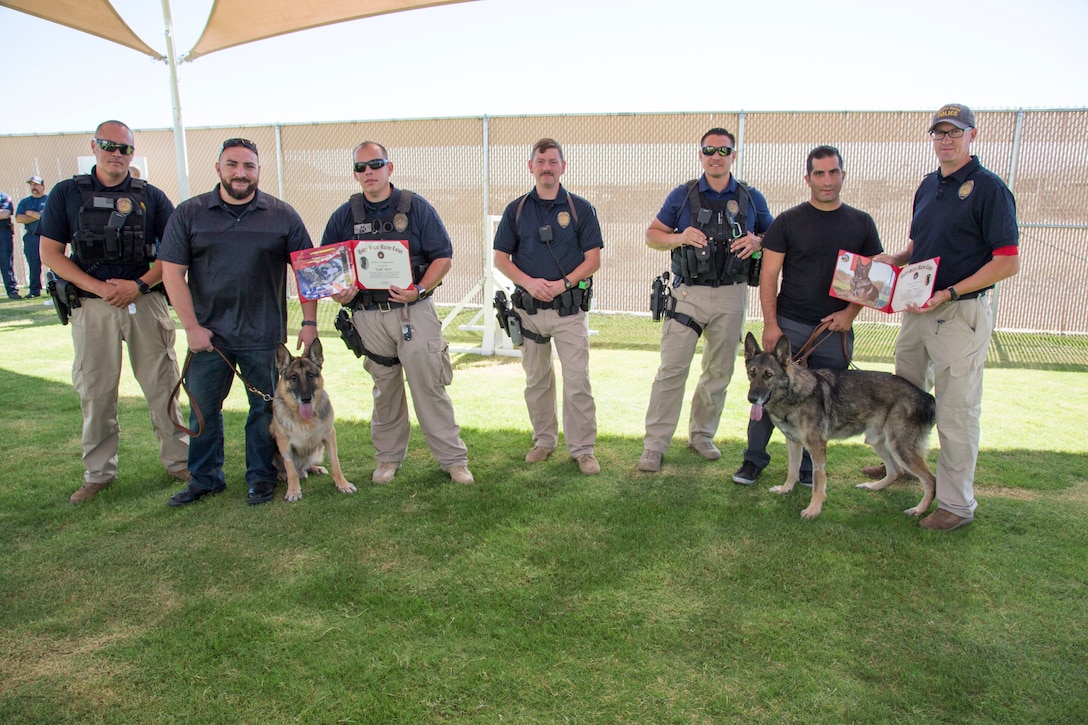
point(811, 407)
point(302, 420)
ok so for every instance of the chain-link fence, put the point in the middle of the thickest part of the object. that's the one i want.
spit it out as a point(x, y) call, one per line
point(470, 168)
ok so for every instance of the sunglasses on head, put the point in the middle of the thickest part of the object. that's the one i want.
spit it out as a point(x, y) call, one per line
point(243, 142)
point(110, 146)
point(720, 150)
point(361, 166)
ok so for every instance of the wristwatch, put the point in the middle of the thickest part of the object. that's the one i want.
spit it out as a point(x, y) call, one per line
point(142, 286)
point(566, 283)
point(422, 291)
point(953, 294)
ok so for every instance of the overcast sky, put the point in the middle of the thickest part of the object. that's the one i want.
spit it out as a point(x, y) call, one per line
point(512, 57)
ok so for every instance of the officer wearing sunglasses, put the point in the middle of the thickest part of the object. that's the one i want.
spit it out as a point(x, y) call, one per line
point(710, 227)
point(113, 224)
point(398, 328)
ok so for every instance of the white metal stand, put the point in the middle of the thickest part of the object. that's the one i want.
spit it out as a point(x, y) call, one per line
point(495, 341)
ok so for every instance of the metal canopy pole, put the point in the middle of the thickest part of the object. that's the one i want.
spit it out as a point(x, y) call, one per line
point(180, 152)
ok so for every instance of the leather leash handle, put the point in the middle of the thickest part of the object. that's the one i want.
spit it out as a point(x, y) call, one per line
point(192, 404)
point(815, 340)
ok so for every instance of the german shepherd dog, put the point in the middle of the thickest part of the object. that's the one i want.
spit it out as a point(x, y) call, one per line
point(302, 420)
point(811, 407)
point(861, 287)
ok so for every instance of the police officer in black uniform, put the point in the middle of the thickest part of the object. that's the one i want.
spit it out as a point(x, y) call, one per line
point(113, 224)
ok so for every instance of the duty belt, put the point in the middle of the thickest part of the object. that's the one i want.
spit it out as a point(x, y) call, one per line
point(375, 300)
point(973, 295)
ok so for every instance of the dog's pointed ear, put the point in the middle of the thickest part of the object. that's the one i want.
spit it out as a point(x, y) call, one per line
point(315, 354)
point(751, 347)
point(782, 350)
point(283, 357)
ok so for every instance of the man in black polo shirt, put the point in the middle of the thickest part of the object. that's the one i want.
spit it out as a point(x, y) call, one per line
point(225, 255)
point(965, 215)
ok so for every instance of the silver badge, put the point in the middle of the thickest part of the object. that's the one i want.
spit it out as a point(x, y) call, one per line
point(400, 222)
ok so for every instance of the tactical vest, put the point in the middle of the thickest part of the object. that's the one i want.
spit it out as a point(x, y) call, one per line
point(380, 229)
point(722, 221)
point(112, 224)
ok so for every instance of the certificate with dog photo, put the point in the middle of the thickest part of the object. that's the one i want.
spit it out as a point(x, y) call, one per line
point(375, 265)
point(883, 287)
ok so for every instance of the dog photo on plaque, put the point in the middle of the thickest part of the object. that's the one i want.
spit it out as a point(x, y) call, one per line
point(881, 286)
point(364, 264)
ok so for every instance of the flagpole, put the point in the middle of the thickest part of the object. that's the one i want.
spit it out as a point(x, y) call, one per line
point(180, 152)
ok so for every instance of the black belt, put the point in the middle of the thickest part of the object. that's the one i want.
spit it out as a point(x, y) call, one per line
point(711, 282)
point(86, 295)
point(364, 301)
point(973, 295)
point(552, 304)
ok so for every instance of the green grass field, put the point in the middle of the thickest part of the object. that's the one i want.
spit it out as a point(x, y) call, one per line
point(539, 595)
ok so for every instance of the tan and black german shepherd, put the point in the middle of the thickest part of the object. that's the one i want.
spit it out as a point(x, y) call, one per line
point(861, 286)
point(302, 420)
point(811, 407)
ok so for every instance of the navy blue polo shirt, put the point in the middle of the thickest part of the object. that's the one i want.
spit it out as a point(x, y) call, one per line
point(60, 222)
point(676, 211)
point(5, 203)
point(570, 239)
point(962, 218)
point(426, 235)
point(32, 203)
point(237, 265)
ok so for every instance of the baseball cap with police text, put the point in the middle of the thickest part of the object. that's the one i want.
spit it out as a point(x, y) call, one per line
point(957, 114)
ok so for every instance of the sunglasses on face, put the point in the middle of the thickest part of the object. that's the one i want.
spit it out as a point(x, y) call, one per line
point(361, 166)
point(720, 150)
point(243, 142)
point(110, 146)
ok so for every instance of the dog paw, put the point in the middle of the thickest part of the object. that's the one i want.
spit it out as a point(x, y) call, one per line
point(319, 470)
point(810, 513)
point(346, 487)
point(866, 486)
point(293, 496)
point(781, 490)
point(914, 511)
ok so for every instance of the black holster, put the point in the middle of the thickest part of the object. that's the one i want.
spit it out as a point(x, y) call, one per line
point(65, 296)
point(351, 338)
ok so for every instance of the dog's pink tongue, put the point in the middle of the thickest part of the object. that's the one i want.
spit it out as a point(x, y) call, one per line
point(306, 410)
point(757, 412)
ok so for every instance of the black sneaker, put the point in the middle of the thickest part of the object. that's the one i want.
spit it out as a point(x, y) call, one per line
point(805, 478)
point(747, 474)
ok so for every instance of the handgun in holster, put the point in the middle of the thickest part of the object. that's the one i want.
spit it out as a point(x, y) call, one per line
point(508, 319)
point(348, 333)
point(65, 296)
point(659, 296)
